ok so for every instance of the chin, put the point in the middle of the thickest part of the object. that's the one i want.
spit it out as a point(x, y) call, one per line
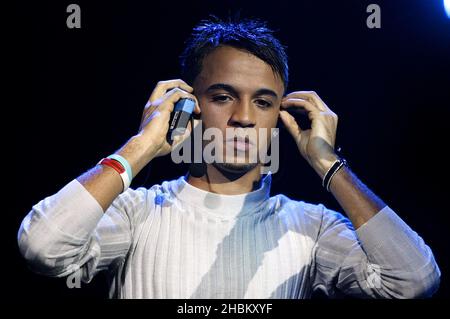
point(237, 168)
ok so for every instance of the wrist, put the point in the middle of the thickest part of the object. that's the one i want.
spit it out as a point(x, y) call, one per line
point(322, 165)
point(146, 146)
point(138, 151)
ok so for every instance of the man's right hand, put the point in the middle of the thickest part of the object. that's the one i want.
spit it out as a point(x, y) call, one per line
point(156, 116)
point(102, 182)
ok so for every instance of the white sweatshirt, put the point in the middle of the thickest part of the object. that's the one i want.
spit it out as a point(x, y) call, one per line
point(177, 241)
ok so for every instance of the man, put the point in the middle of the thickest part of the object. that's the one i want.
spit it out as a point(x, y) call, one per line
point(219, 234)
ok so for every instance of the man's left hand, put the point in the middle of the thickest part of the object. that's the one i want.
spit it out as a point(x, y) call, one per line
point(317, 143)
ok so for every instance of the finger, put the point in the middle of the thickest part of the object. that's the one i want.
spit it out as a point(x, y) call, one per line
point(176, 94)
point(297, 103)
point(291, 125)
point(163, 86)
point(189, 95)
point(310, 96)
point(197, 109)
point(166, 104)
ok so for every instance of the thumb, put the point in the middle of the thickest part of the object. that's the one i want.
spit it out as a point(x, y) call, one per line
point(181, 138)
point(291, 125)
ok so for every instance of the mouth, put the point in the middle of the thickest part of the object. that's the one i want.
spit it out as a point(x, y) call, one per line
point(240, 143)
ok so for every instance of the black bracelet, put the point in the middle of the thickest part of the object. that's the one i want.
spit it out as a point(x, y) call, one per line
point(332, 171)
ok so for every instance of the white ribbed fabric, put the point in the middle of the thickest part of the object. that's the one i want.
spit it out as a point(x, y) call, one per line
point(177, 241)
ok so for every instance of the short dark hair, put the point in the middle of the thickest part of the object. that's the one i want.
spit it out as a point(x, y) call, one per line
point(251, 35)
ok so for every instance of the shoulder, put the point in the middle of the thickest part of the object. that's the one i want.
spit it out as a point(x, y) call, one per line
point(141, 200)
point(143, 193)
point(310, 217)
point(310, 211)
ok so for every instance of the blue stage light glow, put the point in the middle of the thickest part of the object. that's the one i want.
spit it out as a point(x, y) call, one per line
point(447, 7)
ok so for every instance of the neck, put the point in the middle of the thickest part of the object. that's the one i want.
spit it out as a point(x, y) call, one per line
point(215, 181)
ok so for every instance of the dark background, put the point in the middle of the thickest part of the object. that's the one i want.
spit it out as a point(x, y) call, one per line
point(78, 95)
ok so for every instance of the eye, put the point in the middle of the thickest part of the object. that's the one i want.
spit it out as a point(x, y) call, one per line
point(263, 103)
point(221, 98)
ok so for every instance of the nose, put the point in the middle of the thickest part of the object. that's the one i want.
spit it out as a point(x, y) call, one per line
point(242, 116)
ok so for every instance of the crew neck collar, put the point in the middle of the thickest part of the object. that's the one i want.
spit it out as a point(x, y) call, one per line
point(227, 206)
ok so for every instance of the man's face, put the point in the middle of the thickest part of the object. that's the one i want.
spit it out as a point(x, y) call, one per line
point(237, 90)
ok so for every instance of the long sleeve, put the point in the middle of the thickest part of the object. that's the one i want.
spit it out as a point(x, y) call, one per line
point(384, 258)
point(69, 231)
point(176, 241)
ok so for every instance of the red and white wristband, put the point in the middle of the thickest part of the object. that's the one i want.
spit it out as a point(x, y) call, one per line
point(119, 168)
